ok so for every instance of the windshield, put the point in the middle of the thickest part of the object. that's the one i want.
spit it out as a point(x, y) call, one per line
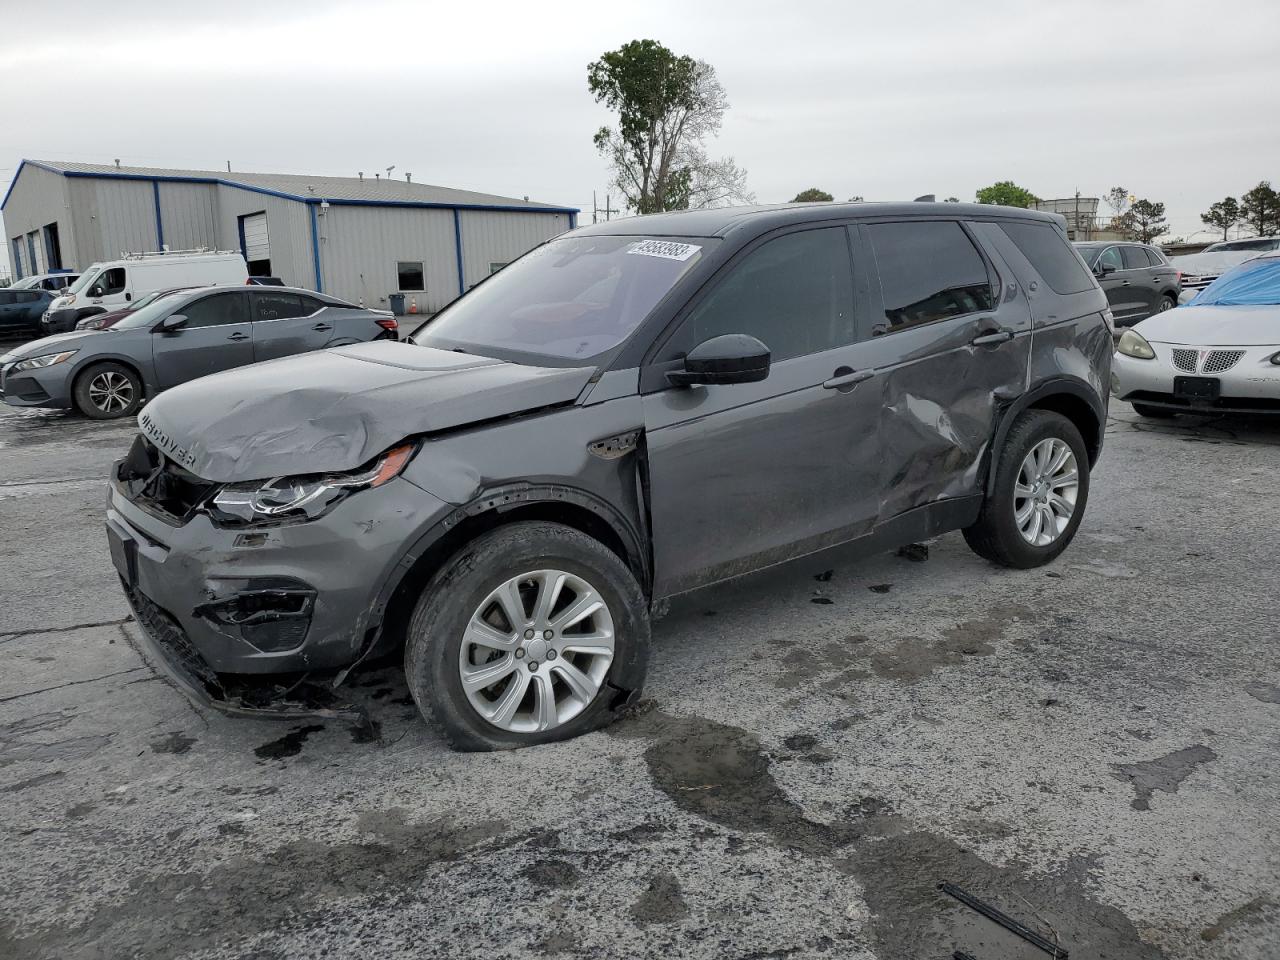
point(148, 315)
point(1254, 283)
point(570, 299)
point(26, 284)
point(83, 282)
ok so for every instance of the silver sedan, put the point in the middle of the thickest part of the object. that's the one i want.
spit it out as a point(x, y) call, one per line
point(1218, 354)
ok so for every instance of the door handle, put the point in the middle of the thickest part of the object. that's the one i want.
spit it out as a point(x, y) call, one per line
point(322, 326)
point(238, 336)
point(991, 337)
point(849, 378)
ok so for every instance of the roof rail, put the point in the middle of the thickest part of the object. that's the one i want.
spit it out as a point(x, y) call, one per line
point(195, 251)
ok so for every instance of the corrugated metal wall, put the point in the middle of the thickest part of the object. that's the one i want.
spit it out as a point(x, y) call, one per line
point(39, 197)
point(288, 223)
point(112, 217)
point(361, 246)
point(499, 237)
point(189, 212)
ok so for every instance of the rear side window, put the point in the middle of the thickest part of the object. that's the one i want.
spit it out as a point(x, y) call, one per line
point(794, 294)
point(929, 270)
point(217, 310)
point(1135, 258)
point(1157, 259)
point(1049, 253)
point(278, 306)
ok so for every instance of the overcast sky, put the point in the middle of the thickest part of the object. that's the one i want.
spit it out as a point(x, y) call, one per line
point(1177, 101)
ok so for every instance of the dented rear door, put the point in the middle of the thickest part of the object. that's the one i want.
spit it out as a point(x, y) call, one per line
point(951, 336)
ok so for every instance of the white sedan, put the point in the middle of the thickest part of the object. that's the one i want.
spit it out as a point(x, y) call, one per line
point(1218, 354)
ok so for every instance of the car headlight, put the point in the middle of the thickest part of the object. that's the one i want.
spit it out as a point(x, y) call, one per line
point(307, 497)
point(1134, 344)
point(48, 360)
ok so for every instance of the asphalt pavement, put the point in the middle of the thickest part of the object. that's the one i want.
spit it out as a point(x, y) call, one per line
point(1089, 747)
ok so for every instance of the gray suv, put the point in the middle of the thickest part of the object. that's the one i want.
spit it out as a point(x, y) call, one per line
point(1138, 279)
point(630, 411)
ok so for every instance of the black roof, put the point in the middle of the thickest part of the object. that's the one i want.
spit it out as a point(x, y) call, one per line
point(719, 222)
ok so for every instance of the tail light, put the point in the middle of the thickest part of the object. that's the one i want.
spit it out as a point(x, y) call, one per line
point(388, 323)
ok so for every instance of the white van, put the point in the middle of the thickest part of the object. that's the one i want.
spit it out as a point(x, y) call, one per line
point(114, 284)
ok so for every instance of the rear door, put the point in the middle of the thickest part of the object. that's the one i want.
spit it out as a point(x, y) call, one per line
point(1141, 276)
point(287, 323)
point(950, 343)
point(745, 475)
point(217, 336)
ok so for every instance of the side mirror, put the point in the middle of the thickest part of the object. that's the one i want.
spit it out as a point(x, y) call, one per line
point(732, 358)
point(96, 291)
point(1105, 268)
point(171, 323)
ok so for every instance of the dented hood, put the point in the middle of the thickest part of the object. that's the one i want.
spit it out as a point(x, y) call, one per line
point(336, 409)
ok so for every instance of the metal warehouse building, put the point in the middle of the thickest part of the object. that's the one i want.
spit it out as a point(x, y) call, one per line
point(353, 237)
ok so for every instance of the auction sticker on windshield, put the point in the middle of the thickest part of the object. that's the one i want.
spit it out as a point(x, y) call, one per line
point(667, 249)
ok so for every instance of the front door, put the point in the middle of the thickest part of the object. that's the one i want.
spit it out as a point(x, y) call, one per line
point(745, 475)
point(217, 336)
point(1117, 284)
point(948, 350)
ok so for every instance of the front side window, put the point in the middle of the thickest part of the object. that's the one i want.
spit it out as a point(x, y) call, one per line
point(109, 282)
point(929, 270)
point(794, 294)
point(409, 275)
point(216, 311)
point(569, 299)
point(1111, 258)
point(278, 306)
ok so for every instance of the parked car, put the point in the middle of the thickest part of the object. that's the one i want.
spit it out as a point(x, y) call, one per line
point(102, 321)
point(265, 282)
point(631, 411)
point(56, 281)
point(115, 284)
point(106, 374)
point(1220, 354)
point(20, 310)
point(1251, 244)
point(1138, 279)
point(1198, 270)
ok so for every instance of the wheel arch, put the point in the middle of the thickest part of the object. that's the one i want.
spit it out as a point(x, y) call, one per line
point(84, 365)
point(1072, 398)
point(498, 507)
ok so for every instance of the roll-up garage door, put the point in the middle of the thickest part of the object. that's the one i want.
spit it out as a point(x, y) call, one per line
point(257, 245)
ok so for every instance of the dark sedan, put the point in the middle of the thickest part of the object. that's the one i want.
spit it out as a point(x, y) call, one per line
point(107, 374)
point(20, 310)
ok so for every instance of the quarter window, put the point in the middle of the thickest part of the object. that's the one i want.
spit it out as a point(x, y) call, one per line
point(496, 265)
point(1049, 253)
point(794, 294)
point(929, 270)
point(216, 311)
point(409, 275)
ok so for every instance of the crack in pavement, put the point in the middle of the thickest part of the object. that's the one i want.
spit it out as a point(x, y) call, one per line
point(71, 683)
point(5, 637)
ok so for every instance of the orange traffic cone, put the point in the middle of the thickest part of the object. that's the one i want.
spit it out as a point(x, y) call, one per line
point(413, 304)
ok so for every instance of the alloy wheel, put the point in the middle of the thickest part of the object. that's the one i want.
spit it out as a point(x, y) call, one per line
point(536, 651)
point(1044, 495)
point(111, 392)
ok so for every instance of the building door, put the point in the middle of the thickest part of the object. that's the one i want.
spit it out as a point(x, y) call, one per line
point(256, 244)
point(31, 253)
point(52, 247)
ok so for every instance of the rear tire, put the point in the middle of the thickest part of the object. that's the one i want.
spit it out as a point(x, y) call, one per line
point(460, 626)
point(1024, 522)
point(1156, 413)
point(107, 391)
point(1167, 302)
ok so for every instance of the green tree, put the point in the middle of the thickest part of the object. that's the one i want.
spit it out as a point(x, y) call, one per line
point(951, 200)
point(1006, 193)
point(1146, 220)
point(1260, 208)
point(1222, 215)
point(1117, 198)
point(812, 195)
point(667, 107)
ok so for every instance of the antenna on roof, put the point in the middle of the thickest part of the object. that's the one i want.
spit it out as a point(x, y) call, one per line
point(389, 169)
point(360, 174)
point(117, 163)
point(228, 166)
point(377, 176)
point(408, 178)
point(927, 198)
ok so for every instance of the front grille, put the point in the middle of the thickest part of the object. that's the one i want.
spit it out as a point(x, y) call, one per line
point(156, 483)
point(1185, 360)
point(1196, 283)
point(1220, 360)
point(172, 639)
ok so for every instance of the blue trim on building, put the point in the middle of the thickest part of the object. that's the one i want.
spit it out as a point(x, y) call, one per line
point(155, 188)
point(457, 245)
point(573, 220)
point(315, 244)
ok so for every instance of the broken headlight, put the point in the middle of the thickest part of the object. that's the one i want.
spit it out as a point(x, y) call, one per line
point(303, 498)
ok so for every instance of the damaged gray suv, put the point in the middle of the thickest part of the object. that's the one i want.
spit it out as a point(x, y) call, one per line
point(629, 412)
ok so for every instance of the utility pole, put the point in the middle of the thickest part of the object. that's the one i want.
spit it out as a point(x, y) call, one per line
point(608, 209)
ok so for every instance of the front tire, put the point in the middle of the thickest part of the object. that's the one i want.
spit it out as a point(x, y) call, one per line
point(1038, 496)
point(107, 391)
point(532, 633)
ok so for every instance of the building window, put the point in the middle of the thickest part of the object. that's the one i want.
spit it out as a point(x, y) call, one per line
point(495, 266)
point(410, 276)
